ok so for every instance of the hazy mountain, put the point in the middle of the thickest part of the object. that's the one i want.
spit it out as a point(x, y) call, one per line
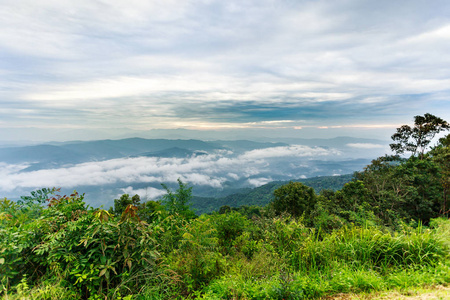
point(30, 135)
point(41, 154)
point(341, 141)
point(134, 146)
point(173, 152)
point(245, 145)
point(84, 151)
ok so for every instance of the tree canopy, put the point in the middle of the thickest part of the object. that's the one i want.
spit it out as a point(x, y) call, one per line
point(416, 139)
point(294, 198)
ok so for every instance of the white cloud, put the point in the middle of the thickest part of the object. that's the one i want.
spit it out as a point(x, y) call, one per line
point(365, 145)
point(207, 170)
point(148, 193)
point(255, 182)
point(439, 35)
point(131, 87)
point(6, 169)
point(293, 150)
point(233, 176)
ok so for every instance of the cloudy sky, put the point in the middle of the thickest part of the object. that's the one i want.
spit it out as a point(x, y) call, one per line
point(300, 65)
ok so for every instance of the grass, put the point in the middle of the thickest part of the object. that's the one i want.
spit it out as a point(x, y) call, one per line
point(351, 260)
point(314, 285)
point(419, 293)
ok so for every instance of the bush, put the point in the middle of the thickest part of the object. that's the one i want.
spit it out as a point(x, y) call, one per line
point(229, 227)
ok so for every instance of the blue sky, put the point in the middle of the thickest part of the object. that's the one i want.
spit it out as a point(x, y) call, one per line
point(298, 66)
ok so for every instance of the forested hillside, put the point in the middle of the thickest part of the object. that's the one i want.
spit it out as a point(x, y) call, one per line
point(388, 228)
point(262, 195)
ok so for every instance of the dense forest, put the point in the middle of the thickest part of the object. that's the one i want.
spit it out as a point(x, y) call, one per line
point(387, 228)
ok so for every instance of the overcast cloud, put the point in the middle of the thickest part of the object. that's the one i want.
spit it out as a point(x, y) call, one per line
point(222, 64)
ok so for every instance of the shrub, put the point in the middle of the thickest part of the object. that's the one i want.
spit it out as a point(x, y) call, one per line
point(229, 227)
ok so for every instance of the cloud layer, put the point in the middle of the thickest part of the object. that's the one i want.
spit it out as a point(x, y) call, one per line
point(211, 170)
point(220, 64)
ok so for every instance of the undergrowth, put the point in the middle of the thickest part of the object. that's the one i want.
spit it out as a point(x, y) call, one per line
point(70, 251)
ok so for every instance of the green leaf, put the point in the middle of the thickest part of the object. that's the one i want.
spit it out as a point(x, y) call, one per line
point(102, 272)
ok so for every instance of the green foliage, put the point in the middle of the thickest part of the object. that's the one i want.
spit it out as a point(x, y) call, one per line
point(325, 217)
point(284, 235)
point(444, 141)
point(294, 198)
point(404, 189)
point(37, 197)
point(351, 196)
point(148, 211)
point(440, 156)
point(121, 204)
point(375, 248)
point(197, 261)
point(229, 227)
point(224, 209)
point(91, 250)
point(18, 241)
point(179, 202)
point(251, 211)
point(110, 251)
point(91, 253)
point(417, 138)
point(263, 195)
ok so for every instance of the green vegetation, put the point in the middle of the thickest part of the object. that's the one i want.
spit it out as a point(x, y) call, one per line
point(387, 229)
point(294, 198)
point(417, 139)
point(263, 195)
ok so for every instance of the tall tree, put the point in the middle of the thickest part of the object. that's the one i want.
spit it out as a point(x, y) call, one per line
point(441, 155)
point(121, 204)
point(416, 139)
point(179, 202)
point(294, 198)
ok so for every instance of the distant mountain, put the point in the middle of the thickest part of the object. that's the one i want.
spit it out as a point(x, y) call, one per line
point(245, 145)
point(341, 141)
point(40, 154)
point(172, 152)
point(108, 149)
point(57, 154)
point(262, 195)
point(60, 153)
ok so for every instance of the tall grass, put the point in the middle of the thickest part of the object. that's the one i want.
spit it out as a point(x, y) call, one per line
point(352, 259)
point(277, 259)
point(370, 247)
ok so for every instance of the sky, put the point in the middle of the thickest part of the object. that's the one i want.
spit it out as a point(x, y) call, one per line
point(307, 67)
